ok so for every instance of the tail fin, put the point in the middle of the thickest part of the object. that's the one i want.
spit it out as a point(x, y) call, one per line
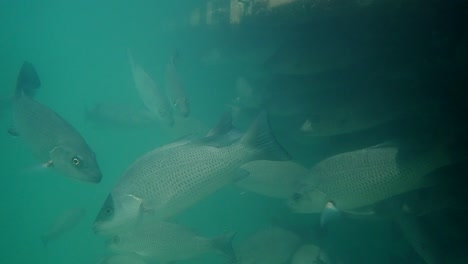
point(260, 137)
point(224, 245)
point(28, 81)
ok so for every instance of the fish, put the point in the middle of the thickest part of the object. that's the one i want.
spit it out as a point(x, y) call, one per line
point(167, 180)
point(269, 245)
point(122, 259)
point(174, 88)
point(363, 177)
point(119, 114)
point(51, 139)
point(277, 179)
point(168, 242)
point(308, 254)
point(65, 222)
point(151, 94)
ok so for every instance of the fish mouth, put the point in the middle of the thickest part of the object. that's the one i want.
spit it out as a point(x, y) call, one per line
point(95, 177)
point(98, 229)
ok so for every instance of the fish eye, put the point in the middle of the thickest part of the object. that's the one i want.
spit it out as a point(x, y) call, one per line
point(108, 210)
point(116, 239)
point(297, 197)
point(76, 161)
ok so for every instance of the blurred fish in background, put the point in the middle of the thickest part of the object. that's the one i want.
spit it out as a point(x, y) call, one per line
point(175, 89)
point(271, 244)
point(151, 94)
point(65, 222)
point(168, 242)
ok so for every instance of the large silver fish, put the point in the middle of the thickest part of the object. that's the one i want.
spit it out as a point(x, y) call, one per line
point(62, 224)
point(52, 140)
point(150, 93)
point(168, 180)
point(175, 90)
point(168, 242)
point(364, 177)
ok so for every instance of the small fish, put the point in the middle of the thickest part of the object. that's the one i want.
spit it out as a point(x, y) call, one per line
point(151, 94)
point(168, 242)
point(122, 259)
point(360, 178)
point(269, 245)
point(310, 254)
point(63, 224)
point(278, 179)
point(175, 90)
point(120, 115)
point(53, 141)
point(168, 180)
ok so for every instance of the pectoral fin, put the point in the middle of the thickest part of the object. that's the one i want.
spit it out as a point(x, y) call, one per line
point(329, 213)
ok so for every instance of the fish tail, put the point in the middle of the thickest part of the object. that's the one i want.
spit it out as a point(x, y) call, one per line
point(224, 245)
point(261, 138)
point(28, 80)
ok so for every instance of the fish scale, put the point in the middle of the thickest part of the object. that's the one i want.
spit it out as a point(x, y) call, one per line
point(163, 178)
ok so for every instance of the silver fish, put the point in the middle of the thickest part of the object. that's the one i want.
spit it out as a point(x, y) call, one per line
point(308, 254)
point(150, 93)
point(364, 177)
point(270, 245)
point(175, 89)
point(51, 139)
point(167, 242)
point(122, 259)
point(278, 179)
point(166, 181)
point(62, 224)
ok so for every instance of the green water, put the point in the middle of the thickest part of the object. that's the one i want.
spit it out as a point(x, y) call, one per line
point(79, 49)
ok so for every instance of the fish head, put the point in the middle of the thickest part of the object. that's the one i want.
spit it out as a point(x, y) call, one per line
point(117, 213)
point(166, 116)
point(76, 163)
point(307, 200)
point(182, 106)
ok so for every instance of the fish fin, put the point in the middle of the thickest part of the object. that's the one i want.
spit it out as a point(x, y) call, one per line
point(28, 80)
point(386, 144)
point(241, 174)
point(260, 137)
point(224, 245)
point(223, 134)
point(13, 132)
point(329, 213)
point(223, 126)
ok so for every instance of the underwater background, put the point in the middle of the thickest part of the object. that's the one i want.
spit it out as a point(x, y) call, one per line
point(363, 72)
